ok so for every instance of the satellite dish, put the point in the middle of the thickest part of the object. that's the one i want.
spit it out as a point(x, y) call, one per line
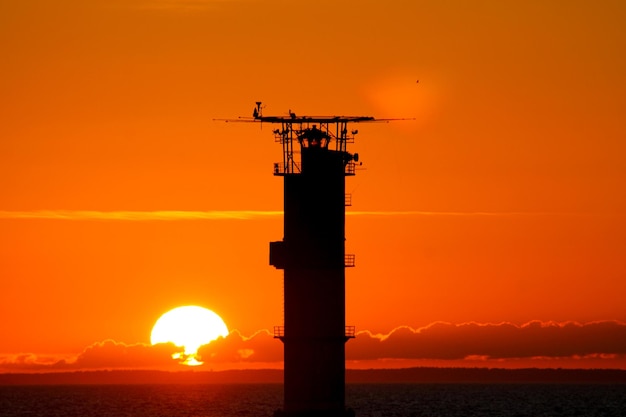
point(356, 157)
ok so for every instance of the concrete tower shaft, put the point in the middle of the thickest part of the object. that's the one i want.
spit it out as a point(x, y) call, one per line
point(312, 254)
point(314, 283)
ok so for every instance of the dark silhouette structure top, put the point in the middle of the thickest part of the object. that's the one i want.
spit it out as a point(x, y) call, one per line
point(312, 255)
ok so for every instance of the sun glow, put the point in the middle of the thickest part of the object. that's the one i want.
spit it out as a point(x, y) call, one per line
point(188, 327)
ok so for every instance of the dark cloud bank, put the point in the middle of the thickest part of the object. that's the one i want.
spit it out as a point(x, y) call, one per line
point(439, 341)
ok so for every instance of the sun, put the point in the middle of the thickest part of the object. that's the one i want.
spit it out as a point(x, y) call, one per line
point(188, 327)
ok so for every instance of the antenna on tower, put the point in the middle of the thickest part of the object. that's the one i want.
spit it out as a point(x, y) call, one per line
point(313, 256)
point(258, 110)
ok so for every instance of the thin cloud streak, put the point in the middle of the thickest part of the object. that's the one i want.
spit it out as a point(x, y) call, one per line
point(177, 215)
point(184, 5)
point(161, 215)
point(466, 213)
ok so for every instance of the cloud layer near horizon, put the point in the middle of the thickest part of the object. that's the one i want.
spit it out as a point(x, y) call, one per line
point(107, 354)
point(438, 341)
point(494, 341)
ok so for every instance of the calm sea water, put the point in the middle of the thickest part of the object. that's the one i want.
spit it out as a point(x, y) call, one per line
point(414, 400)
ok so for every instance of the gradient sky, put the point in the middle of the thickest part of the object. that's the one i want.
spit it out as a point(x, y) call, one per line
point(490, 230)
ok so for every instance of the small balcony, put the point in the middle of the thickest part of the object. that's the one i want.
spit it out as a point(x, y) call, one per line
point(279, 332)
point(281, 169)
point(350, 168)
point(350, 332)
point(349, 260)
point(348, 200)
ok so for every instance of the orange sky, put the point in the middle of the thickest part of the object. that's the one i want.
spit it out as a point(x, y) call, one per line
point(501, 207)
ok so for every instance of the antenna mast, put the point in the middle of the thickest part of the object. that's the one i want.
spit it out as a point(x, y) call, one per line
point(312, 255)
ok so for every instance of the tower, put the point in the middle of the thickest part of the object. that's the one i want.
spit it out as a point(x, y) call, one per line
point(312, 255)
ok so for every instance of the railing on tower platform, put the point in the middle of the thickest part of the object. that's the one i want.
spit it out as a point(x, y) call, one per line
point(348, 200)
point(279, 332)
point(282, 169)
point(350, 332)
point(349, 260)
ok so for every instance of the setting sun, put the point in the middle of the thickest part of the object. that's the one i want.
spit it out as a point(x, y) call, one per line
point(188, 327)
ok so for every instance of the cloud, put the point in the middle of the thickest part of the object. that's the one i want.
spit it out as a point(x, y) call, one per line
point(472, 342)
point(161, 215)
point(108, 354)
point(183, 5)
point(235, 348)
point(464, 213)
point(493, 341)
point(111, 354)
point(178, 215)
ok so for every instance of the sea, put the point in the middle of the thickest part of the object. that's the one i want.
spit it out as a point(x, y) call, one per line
point(261, 400)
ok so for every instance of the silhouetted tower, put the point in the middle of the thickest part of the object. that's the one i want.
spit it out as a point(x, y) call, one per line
point(312, 256)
